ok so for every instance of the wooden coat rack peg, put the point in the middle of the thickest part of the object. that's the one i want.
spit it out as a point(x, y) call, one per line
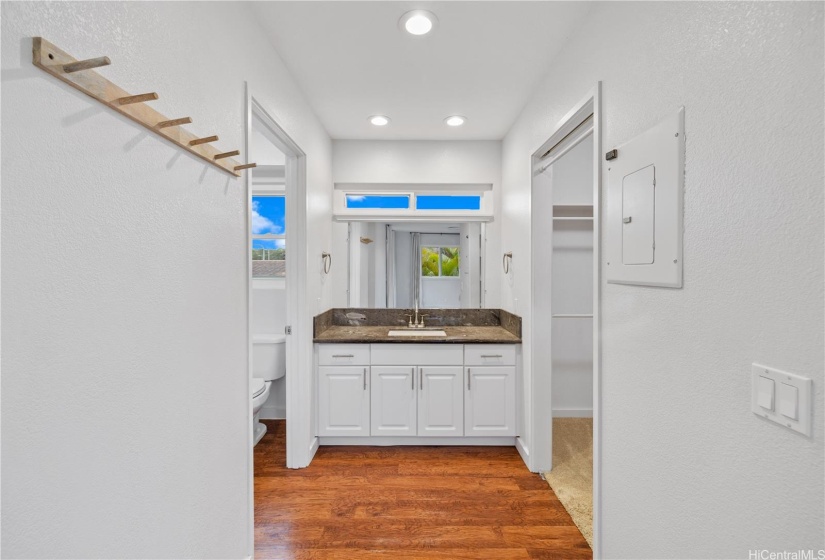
point(80, 75)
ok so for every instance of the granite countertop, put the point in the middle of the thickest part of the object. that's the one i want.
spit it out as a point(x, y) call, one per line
point(482, 326)
point(456, 335)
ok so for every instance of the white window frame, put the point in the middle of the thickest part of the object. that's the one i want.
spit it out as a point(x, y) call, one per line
point(343, 214)
point(268, 283)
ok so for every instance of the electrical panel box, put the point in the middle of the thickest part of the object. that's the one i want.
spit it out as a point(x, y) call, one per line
point(645, 185)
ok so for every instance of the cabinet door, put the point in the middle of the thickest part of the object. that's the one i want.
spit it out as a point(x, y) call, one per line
point(440, 401)
point(343, 401)
point(393, 401)
point(490, 401)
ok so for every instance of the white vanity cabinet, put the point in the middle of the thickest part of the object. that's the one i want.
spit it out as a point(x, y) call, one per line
point(440, 401)
point(490, 392)
point(417, 389)
point(393, 401)
point(343, 390)
point(396, 394)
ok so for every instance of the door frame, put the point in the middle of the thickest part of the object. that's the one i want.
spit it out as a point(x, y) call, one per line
point(298, 388)
point(541, 417)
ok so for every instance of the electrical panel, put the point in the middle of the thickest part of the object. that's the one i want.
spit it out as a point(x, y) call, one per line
point(645, 186)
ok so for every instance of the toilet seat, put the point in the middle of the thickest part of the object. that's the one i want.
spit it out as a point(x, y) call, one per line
point(257, 386)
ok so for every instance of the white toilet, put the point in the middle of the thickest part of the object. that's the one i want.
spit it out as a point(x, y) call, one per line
point(268, 364)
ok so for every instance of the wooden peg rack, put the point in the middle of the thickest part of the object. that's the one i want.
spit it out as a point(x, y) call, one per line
point(80, 75)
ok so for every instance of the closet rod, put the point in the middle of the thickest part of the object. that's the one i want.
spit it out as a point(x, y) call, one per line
point(573, 316)
point(564, 150)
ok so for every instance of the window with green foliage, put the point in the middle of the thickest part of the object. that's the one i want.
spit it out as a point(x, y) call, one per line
point(439, 261)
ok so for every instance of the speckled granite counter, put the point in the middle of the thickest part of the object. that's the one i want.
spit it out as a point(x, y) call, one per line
point(463, 326)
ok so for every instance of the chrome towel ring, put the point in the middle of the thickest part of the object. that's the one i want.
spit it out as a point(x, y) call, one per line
point(327, 258)
point(505, 261)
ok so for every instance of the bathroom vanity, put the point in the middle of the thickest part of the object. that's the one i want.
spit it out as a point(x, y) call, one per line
point(454, 382)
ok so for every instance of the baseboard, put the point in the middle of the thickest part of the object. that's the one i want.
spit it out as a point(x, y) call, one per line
point(384, 441)
point(313, 448)
point(573, 413)
point(523, 451)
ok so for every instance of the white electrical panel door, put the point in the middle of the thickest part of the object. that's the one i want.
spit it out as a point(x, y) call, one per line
point(638, 203)
point(645, 184)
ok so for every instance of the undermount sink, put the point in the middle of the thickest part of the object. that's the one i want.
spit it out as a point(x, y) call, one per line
point(417, 332)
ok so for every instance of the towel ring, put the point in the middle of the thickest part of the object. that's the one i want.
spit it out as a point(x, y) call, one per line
point(505, 261)
point(327, 258)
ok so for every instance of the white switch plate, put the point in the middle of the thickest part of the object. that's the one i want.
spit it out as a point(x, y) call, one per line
point(803, 386)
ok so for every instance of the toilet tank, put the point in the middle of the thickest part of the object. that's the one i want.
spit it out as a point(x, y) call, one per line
point(269, 356)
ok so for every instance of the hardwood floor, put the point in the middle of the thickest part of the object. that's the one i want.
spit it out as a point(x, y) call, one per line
point(406, 503)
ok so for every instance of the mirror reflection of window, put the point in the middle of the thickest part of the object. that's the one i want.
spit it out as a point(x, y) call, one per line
point(393, 264)
point(440, 261)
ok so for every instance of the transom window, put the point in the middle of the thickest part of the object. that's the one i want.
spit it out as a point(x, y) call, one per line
point(409, 201)
point(268, 236)
point(448, 202)
point(378, 201)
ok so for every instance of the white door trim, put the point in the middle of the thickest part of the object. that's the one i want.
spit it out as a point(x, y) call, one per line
point(300, 443)
point(541, 415)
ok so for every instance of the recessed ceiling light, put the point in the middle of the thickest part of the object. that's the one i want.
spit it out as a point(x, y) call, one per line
point(418, 22)
point(455, 120)
point(379, 120)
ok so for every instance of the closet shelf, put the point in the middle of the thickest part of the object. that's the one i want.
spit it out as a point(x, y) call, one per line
point(572, 211)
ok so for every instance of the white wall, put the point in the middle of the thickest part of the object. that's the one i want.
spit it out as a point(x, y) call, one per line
point(124, 310)
point(688, 470)
point(419, 161)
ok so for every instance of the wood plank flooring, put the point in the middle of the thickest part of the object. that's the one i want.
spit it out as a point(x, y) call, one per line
point(406, 503)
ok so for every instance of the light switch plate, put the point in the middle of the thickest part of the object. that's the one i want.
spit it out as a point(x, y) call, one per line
point(803, 386)
point(660, 153)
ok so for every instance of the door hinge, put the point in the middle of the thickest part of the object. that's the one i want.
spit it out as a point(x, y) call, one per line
point(287, 329)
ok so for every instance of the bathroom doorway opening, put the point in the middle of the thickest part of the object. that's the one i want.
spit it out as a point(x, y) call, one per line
point(270, 231)
point(565, 314)
point(276, 290)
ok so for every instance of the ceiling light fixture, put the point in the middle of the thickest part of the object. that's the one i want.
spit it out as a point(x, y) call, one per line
point(379, 120)
point(418, 22)
point(455, 120)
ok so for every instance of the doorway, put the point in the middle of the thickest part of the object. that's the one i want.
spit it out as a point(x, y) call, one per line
point(565, 211)
point(276, 288)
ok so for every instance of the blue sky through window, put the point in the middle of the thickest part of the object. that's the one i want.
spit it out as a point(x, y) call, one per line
point(392, 201)
point(268, 216)
point(268, 243)
point(447, 202)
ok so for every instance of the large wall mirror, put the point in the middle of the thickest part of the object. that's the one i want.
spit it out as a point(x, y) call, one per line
point(399, 265)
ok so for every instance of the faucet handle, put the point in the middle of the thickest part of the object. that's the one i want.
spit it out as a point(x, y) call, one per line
point(410, 317)
point(421, 323)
